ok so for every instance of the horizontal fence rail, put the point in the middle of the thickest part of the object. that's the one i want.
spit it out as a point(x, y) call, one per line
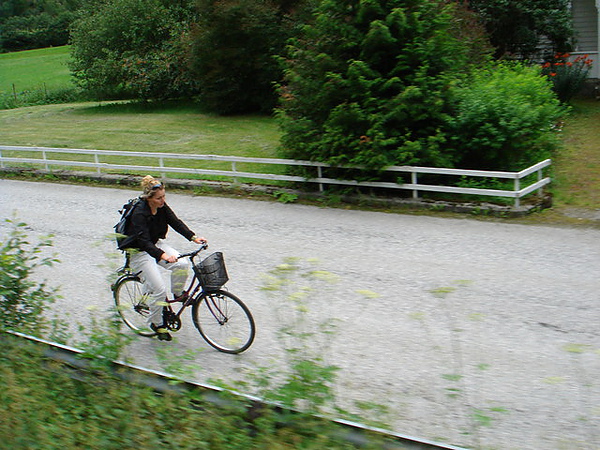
point(42, 156)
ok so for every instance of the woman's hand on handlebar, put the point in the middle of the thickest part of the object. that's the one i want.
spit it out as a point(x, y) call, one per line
point(200, 240)
point(168, 258)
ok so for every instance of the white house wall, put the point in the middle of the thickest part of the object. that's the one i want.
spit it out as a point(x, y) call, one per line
point(586, 19)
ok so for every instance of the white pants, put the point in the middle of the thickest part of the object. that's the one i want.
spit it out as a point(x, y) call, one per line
point(151, 274)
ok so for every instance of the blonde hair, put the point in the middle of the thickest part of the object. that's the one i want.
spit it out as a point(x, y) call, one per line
point(150, 185)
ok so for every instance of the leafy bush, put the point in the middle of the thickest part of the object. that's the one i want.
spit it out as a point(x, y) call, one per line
point(22, 300)
point(366, 83)
point(568, 77)
point(505, 118)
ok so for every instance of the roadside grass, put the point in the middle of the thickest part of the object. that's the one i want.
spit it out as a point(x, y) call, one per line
point(577, 167)
point(50, 406)
point(86, 401)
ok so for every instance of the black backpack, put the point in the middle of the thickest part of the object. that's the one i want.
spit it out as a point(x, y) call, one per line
point(123, 240)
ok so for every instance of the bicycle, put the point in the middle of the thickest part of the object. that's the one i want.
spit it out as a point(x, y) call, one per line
point(222, 319)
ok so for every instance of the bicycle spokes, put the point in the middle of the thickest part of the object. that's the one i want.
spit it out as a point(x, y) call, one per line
point(224, 322)
point(132, 306)
point(218, 308)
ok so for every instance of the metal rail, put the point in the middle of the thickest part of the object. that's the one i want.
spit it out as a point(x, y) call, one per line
point(516, 193)
point(356, 433)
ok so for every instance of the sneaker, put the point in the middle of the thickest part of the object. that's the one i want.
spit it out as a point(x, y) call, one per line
point(161, 332)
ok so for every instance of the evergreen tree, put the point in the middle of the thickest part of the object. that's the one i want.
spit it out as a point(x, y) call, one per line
point(366, 82)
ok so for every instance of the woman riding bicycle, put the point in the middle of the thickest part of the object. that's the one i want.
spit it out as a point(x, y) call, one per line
point(149, 224)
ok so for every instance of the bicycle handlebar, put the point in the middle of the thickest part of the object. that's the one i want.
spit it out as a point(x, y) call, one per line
point(194, 253)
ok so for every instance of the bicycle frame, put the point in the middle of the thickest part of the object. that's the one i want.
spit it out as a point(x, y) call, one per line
point(195, 292)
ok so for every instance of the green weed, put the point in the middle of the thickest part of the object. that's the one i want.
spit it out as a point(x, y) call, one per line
point(285, 197)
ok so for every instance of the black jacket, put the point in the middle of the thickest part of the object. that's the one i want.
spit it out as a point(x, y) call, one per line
point(148, 228)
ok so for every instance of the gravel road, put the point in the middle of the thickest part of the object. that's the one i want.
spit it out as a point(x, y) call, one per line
point(479, 334)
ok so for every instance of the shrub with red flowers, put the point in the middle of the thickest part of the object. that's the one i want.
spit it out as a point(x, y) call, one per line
point(567, 75)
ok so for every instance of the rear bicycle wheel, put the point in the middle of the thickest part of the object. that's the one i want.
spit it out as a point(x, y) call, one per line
point(224, 321)
point(132, 306)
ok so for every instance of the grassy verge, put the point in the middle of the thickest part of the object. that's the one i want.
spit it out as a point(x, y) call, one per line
point(577, 167)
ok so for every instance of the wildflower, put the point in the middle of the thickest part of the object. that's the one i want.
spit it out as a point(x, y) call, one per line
point(567, 75)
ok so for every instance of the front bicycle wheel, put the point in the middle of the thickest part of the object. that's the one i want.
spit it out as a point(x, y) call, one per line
point(132, 306)
point(224, 321)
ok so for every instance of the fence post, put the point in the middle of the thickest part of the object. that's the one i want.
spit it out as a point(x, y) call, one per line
point(414, 180)
point(1, 161)
point(97, 161)
point(541, 189)
point(161, 164)
point(45, 159)
point(517, 189)
point(234, 169)
point(320, 175)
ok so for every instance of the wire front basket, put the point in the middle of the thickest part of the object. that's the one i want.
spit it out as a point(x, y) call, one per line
point(211, 272)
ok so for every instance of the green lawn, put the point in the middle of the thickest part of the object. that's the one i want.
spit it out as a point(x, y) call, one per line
point(174, 129)
point(32, 69)
point(577, 167)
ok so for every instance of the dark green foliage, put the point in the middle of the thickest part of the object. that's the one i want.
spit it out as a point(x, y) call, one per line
point(234, 48)
point(518, 27)
point(505, 119)
point(366, 83)
point(133, 48)
point(35, 24)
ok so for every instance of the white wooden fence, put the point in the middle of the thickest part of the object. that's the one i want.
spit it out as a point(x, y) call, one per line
point(43, 156)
